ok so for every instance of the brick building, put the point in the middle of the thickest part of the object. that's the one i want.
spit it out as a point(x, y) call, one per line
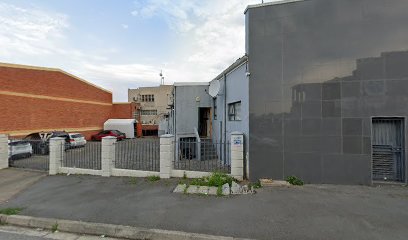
point(34, 99)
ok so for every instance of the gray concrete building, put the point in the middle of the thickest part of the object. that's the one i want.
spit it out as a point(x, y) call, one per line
point(191, 110)
point(328, 90)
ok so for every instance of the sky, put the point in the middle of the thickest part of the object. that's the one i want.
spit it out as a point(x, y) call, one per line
point(125, 44)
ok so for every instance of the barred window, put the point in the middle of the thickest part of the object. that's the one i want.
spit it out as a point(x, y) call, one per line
point(147, 98)
point(149, 112)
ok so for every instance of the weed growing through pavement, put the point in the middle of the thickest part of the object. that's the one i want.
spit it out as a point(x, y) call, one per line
point(133, 180)
point(54, 227)
point(153, 178)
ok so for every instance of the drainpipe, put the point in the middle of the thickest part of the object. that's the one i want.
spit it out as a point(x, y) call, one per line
point(225, 117)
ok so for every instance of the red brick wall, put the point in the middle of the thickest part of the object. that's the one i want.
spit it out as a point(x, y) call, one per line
point(50, 83)
point(23, 108)
point(123, 111)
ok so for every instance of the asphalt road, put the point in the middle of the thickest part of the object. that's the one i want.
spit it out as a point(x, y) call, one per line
point(308, 212)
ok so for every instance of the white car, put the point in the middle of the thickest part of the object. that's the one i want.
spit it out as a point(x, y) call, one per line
point(19, 149)
point(76, 140)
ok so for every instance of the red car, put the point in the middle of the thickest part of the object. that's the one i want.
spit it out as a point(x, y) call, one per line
point(105, 133)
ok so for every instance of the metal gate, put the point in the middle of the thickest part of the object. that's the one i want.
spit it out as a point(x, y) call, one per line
point(29, 154)
point(388, 149)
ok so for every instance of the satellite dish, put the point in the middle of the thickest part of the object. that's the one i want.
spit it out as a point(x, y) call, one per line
point(214, 88)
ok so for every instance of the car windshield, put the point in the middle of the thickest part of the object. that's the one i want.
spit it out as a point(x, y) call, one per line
point(76, 136)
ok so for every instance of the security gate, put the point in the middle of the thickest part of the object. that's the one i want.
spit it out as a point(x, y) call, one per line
point(388, 149)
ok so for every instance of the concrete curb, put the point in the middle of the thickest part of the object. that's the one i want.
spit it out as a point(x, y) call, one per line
point(109, 230)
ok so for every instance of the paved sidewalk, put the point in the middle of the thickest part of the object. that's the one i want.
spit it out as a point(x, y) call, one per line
point(20, 233)
point(13, 180)
point(309, 212)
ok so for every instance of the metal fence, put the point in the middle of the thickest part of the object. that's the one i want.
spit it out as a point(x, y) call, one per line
point(30, 154)
point(138, 154)
point(205, 156)
point(87, 156)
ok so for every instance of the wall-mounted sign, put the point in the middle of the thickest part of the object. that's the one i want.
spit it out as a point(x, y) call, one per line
point(237, 140)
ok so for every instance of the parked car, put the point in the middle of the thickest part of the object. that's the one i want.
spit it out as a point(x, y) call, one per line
point(76, 140)
point(105, 133)
point(41, 141)
point(19, 149)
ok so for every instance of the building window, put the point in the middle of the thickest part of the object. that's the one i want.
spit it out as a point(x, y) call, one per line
point(234, 111)
point(149, 112)
point(215, 108)
point(147, 98)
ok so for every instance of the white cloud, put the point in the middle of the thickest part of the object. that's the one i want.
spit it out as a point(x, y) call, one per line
point(211, 34)
point(214, 31)
point(29, 31)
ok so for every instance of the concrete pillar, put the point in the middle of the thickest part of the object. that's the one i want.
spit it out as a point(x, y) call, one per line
point(108, 155)
point(57, 150)
point(237, 155)
point(166, 155)
point(4, 162)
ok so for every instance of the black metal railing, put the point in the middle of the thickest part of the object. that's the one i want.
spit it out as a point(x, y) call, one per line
point(87, 156)
point(30, 154)
point(138, 154)
point(205, 155)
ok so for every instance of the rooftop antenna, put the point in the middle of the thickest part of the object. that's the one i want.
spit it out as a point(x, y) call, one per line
point(161, 78)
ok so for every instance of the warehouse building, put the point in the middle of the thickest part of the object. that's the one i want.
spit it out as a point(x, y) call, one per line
point(35, 99)
point(328, 90)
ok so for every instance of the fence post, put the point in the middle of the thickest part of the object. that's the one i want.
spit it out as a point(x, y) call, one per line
point(237, 155)
point(57, 149)
point(108, 155)
point(4, 162)
point(166, 155)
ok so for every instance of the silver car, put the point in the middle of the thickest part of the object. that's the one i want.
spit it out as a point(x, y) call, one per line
point(19, 149)
point(76, 140)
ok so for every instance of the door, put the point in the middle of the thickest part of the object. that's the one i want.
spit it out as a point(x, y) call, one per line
point(388, 156)
point(204, 122)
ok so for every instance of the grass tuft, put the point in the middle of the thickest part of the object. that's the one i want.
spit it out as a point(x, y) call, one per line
point(153, 178)
point(10, 211)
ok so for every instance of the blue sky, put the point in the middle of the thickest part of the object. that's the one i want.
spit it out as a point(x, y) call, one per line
point(124, 44)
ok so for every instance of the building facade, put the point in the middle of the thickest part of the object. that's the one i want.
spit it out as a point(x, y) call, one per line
point(230, 106)
point(154, 106)
point(328, 90)
point(35, 99)
point(191, 110)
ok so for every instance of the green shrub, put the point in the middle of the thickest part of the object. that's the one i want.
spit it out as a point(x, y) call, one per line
point(216, 179)
point(294, 180)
